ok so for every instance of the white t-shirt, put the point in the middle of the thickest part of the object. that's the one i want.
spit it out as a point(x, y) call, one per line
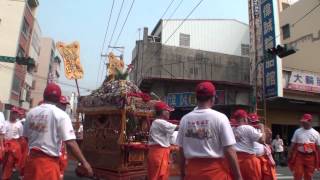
point(13, 130)
point(203, 133)
point(246, 136)
point(277, 144)
point(2, 123)
point(161, 132)
point(173, 138)
point(46, 127)
point(305, 136)
point(258, 149)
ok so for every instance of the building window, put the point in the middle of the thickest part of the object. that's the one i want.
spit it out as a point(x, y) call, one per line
point(184, 40)
point(25, 28)
point(286, 31)
point(16, 84)
point(245, 49)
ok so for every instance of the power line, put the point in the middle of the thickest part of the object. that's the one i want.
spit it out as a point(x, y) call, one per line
point(125, 21)
point(174, 11)
point(165, 12)
point(306, 14)
point(114, 29)
point(183, 21)
point(104, 40)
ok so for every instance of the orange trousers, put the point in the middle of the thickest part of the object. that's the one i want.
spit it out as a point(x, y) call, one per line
point(63, 160)
point(304, 166)
point(249, 166)
point(12, 158)
point(40, 166)
point(207, 169)
point(158, 163)
point(268, 171)
point(24, 154)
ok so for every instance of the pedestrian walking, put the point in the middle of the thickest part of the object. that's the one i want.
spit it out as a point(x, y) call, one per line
point(45, 128)
point(304, 150)
point(159, 143)
point(246, 136)
point(263, 152)
point(206, 141)
point(13, 154)
point(277, 145)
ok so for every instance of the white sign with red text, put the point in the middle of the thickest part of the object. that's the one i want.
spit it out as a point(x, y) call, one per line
point(304, 81)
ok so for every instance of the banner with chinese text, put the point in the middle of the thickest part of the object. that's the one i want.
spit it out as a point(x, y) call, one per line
point(304, 81)
point(269, 41)
point(71, 58)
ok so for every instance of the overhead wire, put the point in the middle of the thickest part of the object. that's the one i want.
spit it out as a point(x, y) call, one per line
point(104, 40)
point(173, 12)
point(165, 12)
point(114, 29)
point(125, 21)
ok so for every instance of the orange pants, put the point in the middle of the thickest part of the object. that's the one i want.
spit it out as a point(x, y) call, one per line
point(158, 163)
point(304, 166)
point(40, 166)
point(249, 166)
point(63, 160)
point(268, 171)
point(24, 153)
point(207, 169)
point(12, 158)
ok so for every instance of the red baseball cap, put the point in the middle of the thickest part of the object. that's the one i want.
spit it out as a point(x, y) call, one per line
point(205, 89)
point(52, 92)
point(162, 106)
point(306, 118)
point(240, 113)
point(253, 117)
point(63, 100)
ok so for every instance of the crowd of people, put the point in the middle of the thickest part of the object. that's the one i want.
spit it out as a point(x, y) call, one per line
point(215, 147)
point(35, 144)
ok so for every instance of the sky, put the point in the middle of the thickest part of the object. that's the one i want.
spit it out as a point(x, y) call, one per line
point(86, 21)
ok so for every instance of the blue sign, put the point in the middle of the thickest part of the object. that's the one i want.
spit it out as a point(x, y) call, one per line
point(188, 99)
point(269, 41)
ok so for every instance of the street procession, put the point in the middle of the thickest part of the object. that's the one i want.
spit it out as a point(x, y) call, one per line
point(179, 90)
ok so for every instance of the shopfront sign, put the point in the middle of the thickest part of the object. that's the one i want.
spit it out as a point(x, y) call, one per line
point(188, 99)
point(269, 41)
point(304, 81)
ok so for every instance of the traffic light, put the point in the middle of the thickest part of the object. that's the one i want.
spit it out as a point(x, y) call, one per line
point(27, 61)
point(281, 51)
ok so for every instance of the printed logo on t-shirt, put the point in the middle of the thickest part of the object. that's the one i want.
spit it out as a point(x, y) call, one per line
point(198, 129)
point(38, 123)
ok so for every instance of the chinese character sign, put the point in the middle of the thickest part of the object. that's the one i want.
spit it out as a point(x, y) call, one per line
point(71, 58)
point(269, 41)
point(303, 81)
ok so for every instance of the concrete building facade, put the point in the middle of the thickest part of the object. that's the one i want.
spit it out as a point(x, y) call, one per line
point(17, 20)
point(47, 69)
point(298, 21)
point(172, 72)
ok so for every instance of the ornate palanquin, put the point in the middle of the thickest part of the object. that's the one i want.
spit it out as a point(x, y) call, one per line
point(117, 118)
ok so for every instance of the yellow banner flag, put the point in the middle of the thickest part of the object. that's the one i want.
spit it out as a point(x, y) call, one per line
point(71, 58)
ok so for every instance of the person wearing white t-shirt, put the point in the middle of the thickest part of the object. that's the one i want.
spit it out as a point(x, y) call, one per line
point(45, 128)
point(159, 143)
point(13, 132)
point(277, 145)
point(263, 152)
point(246, 136)
point(206, 141)
point(304, 150)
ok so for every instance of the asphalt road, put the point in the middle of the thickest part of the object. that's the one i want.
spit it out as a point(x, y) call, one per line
point(283, 173)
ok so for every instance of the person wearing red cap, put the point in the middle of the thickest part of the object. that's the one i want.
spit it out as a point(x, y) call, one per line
point(13, 132)
point(206, 141)
point(45, 128)
point(304, 151)
point(263, 151)
point(246, 136)
point(159, 143)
